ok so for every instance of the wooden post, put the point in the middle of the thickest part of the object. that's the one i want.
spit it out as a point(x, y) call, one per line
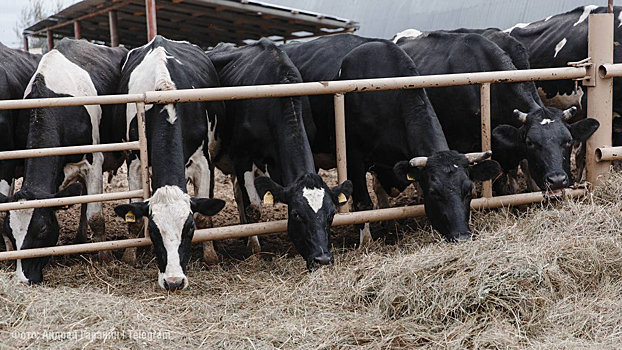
point(114, 34)
point(144, 156)
point(77, 30)
point(152, 25)
point(486, 135)
point(26, 43)
point(340, 139)
point(50, 40)
point(600, 96)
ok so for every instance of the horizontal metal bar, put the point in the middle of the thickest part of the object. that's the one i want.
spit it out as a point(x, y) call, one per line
point(63, 151)
point(300, 89)
point(607, 154)
point(610, 70)
point(59, 202)
point(262, 228)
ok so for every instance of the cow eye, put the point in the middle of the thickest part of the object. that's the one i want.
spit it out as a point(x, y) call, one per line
point(529, 143)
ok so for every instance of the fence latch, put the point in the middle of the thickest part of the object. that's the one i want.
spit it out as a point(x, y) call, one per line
point(590, 78)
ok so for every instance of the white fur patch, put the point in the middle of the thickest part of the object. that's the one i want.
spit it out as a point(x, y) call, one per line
point(620, 19)
point(249, 185)
point(549, 17)
point(586, 12)
point(560, 45)
point(213, 143)
point(198, 172)
point(169, 208)
point(65, 77)
point(5, 188)
point(408, 33)
point(563, 101)
point(19, 220)
point(455, 166)
point(546, 121)
point(150, 75)
point(517, 25)
point(315, 197)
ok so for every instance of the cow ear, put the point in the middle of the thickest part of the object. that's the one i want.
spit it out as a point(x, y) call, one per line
point(508, 145)
point(342, 192)
point(75, 189)
point(583, 129)
point(133, 211)
point(270, 191)
point(484, 171)
point(206, 206)
point(3, 198)
point(405, 172)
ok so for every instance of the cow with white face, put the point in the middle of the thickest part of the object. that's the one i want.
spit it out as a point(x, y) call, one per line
point(179, 139)
point(73, 68)
point(15, 72)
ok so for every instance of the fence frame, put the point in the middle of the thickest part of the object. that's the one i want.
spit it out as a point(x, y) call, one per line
point(338, 89)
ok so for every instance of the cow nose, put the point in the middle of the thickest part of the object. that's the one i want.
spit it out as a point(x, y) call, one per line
point(324, 259)
point(557, 181)
point(174, 283)
point(460, 237)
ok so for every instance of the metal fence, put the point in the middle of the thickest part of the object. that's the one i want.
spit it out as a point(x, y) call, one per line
point(599, 152)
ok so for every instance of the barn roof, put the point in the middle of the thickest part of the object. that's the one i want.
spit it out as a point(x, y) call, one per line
point(203, 22)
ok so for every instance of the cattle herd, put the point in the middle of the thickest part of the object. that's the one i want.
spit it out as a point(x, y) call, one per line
point(273, 147)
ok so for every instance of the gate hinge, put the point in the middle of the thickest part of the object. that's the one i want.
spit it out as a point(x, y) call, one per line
point(590, 78)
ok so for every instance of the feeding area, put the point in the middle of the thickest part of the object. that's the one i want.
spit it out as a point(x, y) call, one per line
point(168, 200)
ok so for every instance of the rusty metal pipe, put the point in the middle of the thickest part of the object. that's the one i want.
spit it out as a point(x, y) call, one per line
point(486, 134)
point(340, 139)
point(59, 202)
point(63, 151)
point(300, 89)
point(239, 231)
point(608, 154)
point(610, 70)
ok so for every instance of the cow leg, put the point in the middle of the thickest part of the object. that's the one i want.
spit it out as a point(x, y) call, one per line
point(83, 227)
point(531, 184)
point(248, 201)
point(134, 229)
point(95, 211)
point(360, 195)
point(201, 173)
point(382, 198)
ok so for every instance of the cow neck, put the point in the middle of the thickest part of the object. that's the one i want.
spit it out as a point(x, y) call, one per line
point(294, 149)
point(515, 96)
point(43, 173)
point(166, 149)
point(424, 134)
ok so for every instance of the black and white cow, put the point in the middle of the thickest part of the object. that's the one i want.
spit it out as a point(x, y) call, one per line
point(73, 68)
point(16, 69)
point(523, 127)
point(268, 136)
point(559, 39)
point(385, 129)
point(179, 139)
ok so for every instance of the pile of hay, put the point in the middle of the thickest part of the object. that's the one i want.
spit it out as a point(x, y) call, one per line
point(547, 277)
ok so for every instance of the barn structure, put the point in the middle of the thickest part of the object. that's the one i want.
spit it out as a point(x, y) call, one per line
point(205, 23)
point(383, 19)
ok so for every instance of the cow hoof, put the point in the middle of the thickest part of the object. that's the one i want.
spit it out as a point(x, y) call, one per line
point(209, 254)
point(253, 245)
point(129, 256)
point(105, 257)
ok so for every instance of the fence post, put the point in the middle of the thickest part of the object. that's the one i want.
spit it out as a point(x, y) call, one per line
point(144, 155)
point(600, 95)
point(486, 135)
point(340, 140)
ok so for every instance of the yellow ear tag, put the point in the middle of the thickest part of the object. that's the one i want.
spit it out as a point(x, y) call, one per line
point(342, 198)
point(409, 177)
point(268, 198)
point(130, 217)
point(66, 206)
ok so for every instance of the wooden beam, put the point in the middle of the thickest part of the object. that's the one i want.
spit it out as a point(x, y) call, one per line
point(77, 29)
point(114, 33)
point(25, 42)
point(50, 39)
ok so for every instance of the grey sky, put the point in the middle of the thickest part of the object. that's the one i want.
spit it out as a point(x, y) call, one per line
point(9, 14)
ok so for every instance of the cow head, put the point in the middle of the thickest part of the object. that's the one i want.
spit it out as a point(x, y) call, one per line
point(311, 209)
point(34, 228)
point(171, 228)
point(545, 140)
point(446, 179)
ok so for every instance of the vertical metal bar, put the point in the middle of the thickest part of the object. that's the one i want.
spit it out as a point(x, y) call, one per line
point(26, 43)
point(610, 6)
point(486, 135)
point(114, 34)
point(50, 40)
point(340, 139)
point(600, 96)
point(77, 30)
point(152, 25)
point(144, 155)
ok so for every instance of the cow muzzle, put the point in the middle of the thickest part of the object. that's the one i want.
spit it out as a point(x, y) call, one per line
point(175, 283)
point(321, 260)
point(556, 181)
point(460, 237)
